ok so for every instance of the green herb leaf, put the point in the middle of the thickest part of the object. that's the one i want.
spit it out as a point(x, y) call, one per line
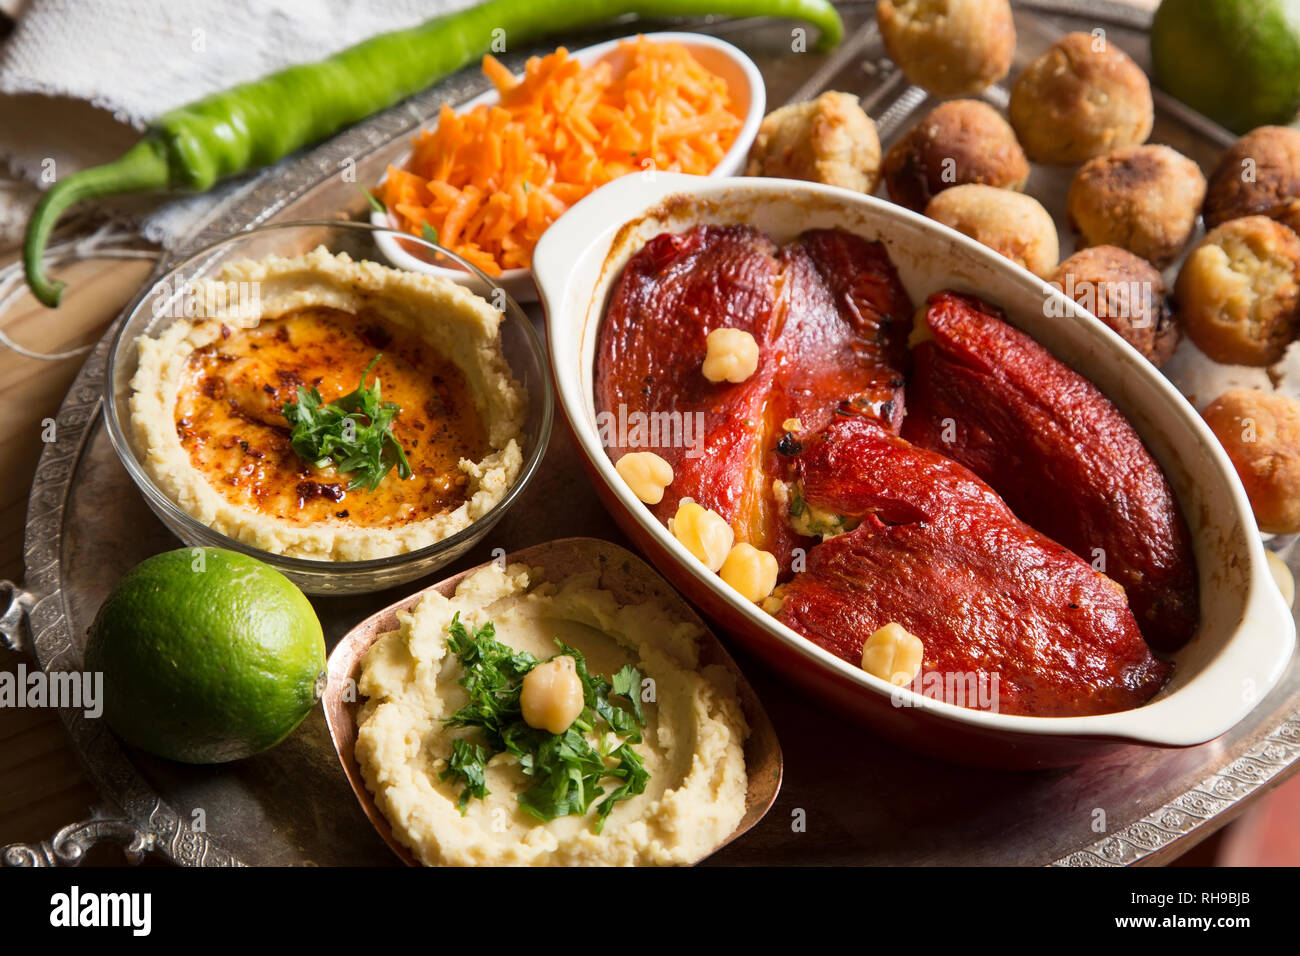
point(568, 772)
point(566, 769)
point(596, 691)
point(796, 502)
point(631, 770)
point(493, 676)
point(335, 433)
point(627, 683)
point(468, 765)
point(375, 203)
point(428, 233)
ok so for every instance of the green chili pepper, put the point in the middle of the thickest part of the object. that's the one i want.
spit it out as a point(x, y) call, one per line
point(190, 148)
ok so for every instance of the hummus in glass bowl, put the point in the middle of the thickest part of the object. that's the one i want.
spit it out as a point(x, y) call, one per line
point(209, 395)
point(353, 424)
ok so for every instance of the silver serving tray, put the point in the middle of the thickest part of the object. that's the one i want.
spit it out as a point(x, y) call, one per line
point(862, 801)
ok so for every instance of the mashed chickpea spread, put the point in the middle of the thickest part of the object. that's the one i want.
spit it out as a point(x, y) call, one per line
point(209, 397)
point(692, 744)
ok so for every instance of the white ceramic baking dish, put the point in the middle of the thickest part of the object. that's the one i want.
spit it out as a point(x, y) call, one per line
point(1247, 635)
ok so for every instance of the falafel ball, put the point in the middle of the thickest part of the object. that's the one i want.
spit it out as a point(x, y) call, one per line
point(1141, 198)
point(1010, 223)
point(958, 142)
point(1255, 174)
point(950, 47)
point(1261, 433)
point(1082, 98)
point(1238, 291)
point(1288, 214)
point(827, 140)
point(1126, 293)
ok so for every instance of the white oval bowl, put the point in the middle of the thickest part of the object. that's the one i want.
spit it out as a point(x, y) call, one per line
point(1247, 634)
point(748, 94)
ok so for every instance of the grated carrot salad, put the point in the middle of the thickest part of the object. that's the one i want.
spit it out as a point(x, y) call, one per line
point(491, 180)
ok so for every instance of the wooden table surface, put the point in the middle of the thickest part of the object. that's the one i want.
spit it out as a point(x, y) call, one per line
point(42, 787)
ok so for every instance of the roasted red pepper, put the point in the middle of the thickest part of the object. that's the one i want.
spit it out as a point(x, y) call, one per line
point(830, 318)
point(912, 536)
point(1061, 455)
point(937, 551)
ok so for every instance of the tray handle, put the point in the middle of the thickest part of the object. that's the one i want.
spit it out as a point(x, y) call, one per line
point(69, 846)
point(14, 630)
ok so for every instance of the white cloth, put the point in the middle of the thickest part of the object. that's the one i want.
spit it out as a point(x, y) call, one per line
point(79, 80)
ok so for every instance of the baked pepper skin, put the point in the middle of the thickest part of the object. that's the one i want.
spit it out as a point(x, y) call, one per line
point(1060, 454)
point(830, 318)
point(939, 552)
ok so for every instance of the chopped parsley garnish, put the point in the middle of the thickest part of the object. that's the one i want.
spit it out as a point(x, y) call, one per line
point(469, 763)
point(428, 233)
point(567, 770)
point(354, 433)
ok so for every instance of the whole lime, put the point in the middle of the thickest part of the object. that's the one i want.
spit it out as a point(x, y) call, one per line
point(207, 656)
point(1236, 61)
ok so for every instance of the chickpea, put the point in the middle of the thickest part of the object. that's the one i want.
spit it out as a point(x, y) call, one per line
point(704, 532)
point(646, 474)
point(732, 355)
point(551, 697)
point(773, 603)
point(750, 571)
point(892, 654)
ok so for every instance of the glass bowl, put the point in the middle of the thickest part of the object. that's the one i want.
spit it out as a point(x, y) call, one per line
point(160, 305)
